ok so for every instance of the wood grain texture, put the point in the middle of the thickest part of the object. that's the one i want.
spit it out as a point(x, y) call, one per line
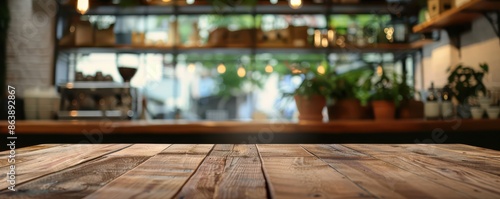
point(76, 182)
point(382, 179)
point(335, 151)
point(307, 177)
point(42, 162)
point(30, 148)
point(470, 150)
point(144, 150)
point(304, 176)
point(461, 179)
point(282, 150)
point(23, 151)
point(470, 158)
point(228, 172)
point(161, 176)
point(188, 149)
point(204, 182)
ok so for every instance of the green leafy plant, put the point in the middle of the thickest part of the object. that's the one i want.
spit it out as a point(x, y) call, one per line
point(387, 88)
point(314, 83)
point(465, 82)
point(354, 84)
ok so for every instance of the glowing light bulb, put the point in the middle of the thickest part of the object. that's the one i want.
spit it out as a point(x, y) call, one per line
point(189, 2)
point(221, 69)
point(269, 68)
point(295, 4)
point(321, 70)
point(273, 1)
point(191, 68)
point(380, 70)
point(82, 6)
point(241, 72)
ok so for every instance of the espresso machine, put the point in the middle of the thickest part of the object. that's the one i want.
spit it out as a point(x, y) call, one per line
point(99, 96)
point(98, 100)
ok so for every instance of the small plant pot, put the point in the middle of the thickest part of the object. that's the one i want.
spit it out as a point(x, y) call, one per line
point(477, 112)
point(411, 109)
point(463, 111)
point(348, 109)
point(493, 112)
point(310, 108)
point(383, 110)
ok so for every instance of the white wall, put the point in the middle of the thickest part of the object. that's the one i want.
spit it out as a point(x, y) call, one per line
point(478, 45)
point(30, 43)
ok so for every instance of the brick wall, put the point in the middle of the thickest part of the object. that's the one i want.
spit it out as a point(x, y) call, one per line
point(30, 43)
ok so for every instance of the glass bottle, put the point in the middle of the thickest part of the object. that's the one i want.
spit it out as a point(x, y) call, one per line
point(446, 105)
point(431, 106)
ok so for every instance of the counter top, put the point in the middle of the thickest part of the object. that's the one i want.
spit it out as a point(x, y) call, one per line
point(234, 127)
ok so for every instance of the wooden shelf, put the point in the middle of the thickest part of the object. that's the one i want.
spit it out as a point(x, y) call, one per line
point(263, 7)
point(458, 16)
point(246, 50)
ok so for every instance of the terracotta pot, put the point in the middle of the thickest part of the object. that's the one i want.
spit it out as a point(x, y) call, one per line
point(310, 108)
point(348, 109)
point(383, 110)
point(411, 109)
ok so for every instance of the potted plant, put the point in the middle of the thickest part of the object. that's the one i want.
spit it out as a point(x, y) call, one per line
point(465, 82)
point(409, 107)
point(310, 95)
point(385, 97)
point(350, 96)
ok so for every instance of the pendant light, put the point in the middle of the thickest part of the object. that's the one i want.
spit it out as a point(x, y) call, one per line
point(269, 68)
point(82, 6)
point(295, 4)
point(221, 69)
point(189, 2)
point(241, 72)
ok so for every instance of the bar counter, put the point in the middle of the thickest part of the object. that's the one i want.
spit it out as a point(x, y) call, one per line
point(483, 133)
point(232, 127)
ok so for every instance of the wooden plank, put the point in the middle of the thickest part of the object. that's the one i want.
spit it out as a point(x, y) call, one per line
point(462, 179)
point(42, 162)
point(76, 182)
point(244, 150)
point(304, 176)
point(242, 178)
point(470, 150)
point(231, 174)
point(202, 149)
point(336, 151)
point(307, 177)
point(470, 159)
point(161, 176)
point(145, 150)
point(202, 184)
point(24, 150)
point(30, 148)
point(282, 150)
point(380, 178)
point(83, 179)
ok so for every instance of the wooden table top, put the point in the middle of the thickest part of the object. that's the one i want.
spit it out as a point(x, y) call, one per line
point(254, 171)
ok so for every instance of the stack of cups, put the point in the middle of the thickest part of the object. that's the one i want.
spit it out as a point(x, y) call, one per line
point(485, 105)
point(41, 103)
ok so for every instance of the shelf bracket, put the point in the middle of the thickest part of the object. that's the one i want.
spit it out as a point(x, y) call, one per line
point(492, 23)
point(454, 34)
